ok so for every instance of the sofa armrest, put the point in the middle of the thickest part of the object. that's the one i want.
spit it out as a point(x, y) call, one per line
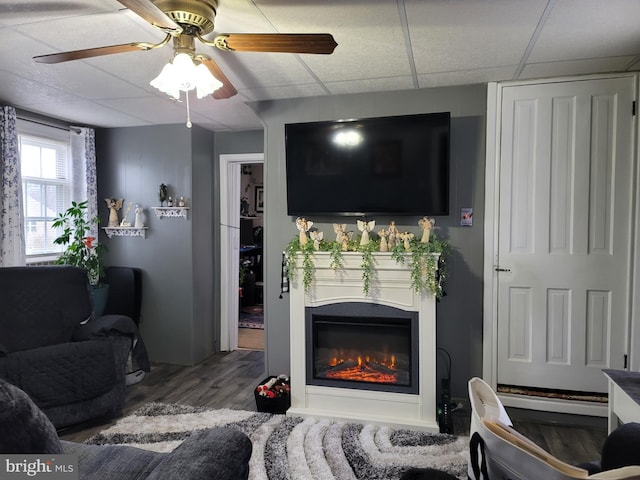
point(104, 326)
point(216, 453)
point(220, 453)
point(108, 326)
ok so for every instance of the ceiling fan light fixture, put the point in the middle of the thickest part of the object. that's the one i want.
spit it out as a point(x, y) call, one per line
point(183, 75)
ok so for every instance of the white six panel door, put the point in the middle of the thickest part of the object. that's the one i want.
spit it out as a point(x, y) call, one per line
point(564, 232)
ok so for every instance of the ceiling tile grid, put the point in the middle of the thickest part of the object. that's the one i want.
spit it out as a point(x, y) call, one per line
point(383, 45)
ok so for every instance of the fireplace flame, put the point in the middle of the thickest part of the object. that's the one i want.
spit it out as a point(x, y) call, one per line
point(364, 369)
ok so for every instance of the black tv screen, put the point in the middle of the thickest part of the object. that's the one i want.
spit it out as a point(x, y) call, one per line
point(374, 166)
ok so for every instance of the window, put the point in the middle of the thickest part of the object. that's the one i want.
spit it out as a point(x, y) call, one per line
point(46, 185)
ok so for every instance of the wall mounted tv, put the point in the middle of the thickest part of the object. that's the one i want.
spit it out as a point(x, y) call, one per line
point(373, 166)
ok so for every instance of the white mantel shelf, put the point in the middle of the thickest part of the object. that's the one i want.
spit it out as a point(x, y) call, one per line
point(391, 286)
point(171, 212)
point(125, 231)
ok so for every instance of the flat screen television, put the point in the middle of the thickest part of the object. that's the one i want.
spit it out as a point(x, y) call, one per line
point(373, 166)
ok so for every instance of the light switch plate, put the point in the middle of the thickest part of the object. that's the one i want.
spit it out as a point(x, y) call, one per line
point(466, 217)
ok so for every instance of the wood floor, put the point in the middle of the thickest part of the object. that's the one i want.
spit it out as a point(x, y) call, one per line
point(227, 380)
point(251, 338)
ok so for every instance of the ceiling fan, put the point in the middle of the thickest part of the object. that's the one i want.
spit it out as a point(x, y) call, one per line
point(187, 20)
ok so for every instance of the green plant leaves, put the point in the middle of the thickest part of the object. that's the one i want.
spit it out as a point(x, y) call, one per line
point(425, 260)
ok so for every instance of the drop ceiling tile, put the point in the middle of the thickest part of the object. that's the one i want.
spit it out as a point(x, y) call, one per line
point(581, 29)
point(20, 13)
point(368, 33)
point(467, 77)
point(242, 16)
point(461, 35)
point(161, 109)
point(283, 91)
point(249, 69)
point(92, 114)
point(370, 85)
point(26, 92)
point(227, 115)
point(90, 31)
point(576, 67)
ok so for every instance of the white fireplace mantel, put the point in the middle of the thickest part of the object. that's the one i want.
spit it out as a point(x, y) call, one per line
point(391, 286)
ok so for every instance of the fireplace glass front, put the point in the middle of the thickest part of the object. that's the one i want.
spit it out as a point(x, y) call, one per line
point(363, 346)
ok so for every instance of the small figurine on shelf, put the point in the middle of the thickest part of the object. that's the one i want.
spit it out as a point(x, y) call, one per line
point(365, 228)
point(169, 202)
point(426, 224)
point(124, 222)
point(316, 237)
point(181, 202)
point(162, 194)
point(303, 226)
point(114, 205)
point(139, 223)
point(339, 229)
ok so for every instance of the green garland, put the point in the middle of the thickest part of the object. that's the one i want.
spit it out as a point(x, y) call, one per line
point(427, 261)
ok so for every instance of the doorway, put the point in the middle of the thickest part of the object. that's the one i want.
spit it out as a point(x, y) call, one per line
point(231, 193)
point(251, 278)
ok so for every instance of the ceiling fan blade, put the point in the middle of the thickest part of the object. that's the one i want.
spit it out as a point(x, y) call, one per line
point(322, 43)
point(226, 90)
point(149, 12)
point(91, 52)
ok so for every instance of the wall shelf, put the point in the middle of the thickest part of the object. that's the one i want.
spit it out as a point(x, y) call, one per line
point(125, 231)
point(173, 212)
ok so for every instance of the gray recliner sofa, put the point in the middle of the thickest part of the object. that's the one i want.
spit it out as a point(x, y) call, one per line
point(72, 365)
point(216, 453)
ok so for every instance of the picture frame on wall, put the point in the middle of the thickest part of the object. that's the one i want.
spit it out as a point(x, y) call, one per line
point(259, 200)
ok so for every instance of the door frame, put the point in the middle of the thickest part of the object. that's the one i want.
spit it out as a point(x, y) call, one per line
point(491, 227)
point(230, 165)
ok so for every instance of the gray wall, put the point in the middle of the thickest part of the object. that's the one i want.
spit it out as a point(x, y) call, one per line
point(177, 306)
point(179, 259)
point(459, 314)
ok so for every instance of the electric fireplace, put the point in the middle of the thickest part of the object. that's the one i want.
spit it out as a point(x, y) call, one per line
point(363, 357)
point(362, 346)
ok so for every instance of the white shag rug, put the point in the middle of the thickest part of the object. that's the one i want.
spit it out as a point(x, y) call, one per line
point(295, 448)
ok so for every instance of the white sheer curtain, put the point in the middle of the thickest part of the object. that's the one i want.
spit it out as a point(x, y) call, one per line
point(85, 178)
point(12, 250)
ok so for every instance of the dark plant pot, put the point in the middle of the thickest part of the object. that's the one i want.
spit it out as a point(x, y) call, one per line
point(99, 296)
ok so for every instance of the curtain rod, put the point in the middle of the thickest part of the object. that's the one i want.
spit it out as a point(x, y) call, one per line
point(59, 127)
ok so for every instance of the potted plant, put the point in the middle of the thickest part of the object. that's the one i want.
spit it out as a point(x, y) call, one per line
point(81, 249)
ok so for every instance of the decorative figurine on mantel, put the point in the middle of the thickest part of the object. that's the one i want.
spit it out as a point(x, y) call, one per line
point(138, 222)
point(365, 228)
point(114, 205)
point(316, 236)
point(384, 246)
point(342, 236)
point(406, 237)
point(124, 222)
point(393, 235)
point(162, 194)
point(303, 226)
point(426, 224)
